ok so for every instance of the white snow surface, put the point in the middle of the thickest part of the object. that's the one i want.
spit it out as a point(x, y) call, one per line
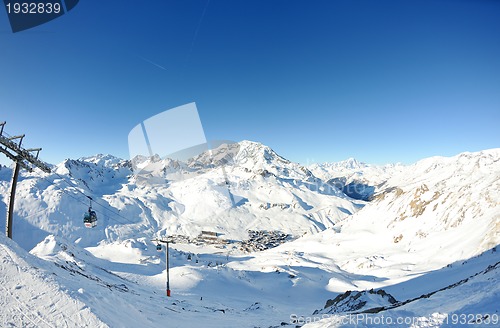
point(431, 228)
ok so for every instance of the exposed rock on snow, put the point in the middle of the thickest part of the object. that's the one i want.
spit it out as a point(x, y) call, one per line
point(358, 301)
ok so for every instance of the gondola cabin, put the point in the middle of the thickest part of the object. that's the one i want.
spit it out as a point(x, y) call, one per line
point(90, 219)
point(158, 247)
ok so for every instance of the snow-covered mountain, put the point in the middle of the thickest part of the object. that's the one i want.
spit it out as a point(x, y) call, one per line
point(356, 179)
point(431, 229)
point(230, 190)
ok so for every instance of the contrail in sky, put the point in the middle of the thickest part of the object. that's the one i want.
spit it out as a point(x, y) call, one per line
point(153, 63)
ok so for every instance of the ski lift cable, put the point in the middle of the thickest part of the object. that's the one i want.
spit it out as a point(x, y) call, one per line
point(36, 213)
point(114, 213)
point(65, 191)
point(68, 193)
point(71, 184)
point(91, 198)
point(86, 204)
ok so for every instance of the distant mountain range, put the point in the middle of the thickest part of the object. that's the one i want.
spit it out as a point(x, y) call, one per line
point(240, 187)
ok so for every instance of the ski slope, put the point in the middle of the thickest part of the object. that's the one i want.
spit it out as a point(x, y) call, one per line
point(431, 229)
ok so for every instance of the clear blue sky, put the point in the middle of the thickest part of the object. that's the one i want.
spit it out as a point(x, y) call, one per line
point(382, 81)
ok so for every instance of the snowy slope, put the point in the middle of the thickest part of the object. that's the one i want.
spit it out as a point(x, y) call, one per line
point(471, 301)
point(31, 295)
point(430, 229)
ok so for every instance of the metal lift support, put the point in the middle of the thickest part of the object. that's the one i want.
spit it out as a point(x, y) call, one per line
point(25, 158)
point(165, 241)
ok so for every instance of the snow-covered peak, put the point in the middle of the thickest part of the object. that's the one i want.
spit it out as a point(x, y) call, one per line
point(439, 168)
point(250, 154)
point(257, 151)
point(245, 157)
point(355, 178)
point(155, 165)
point(343, 168)
point(351, 164)
point(103, 160)
point(96, 162)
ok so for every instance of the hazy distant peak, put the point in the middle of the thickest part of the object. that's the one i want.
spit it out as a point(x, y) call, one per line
point(102, 159)
point(352, 163)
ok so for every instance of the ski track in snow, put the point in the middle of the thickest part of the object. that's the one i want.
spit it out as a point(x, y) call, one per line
point(29, 300)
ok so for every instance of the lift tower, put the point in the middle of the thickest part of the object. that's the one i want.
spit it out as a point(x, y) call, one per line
point(25, 158)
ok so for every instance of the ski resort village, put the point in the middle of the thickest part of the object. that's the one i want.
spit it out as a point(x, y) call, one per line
point(239, 236)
